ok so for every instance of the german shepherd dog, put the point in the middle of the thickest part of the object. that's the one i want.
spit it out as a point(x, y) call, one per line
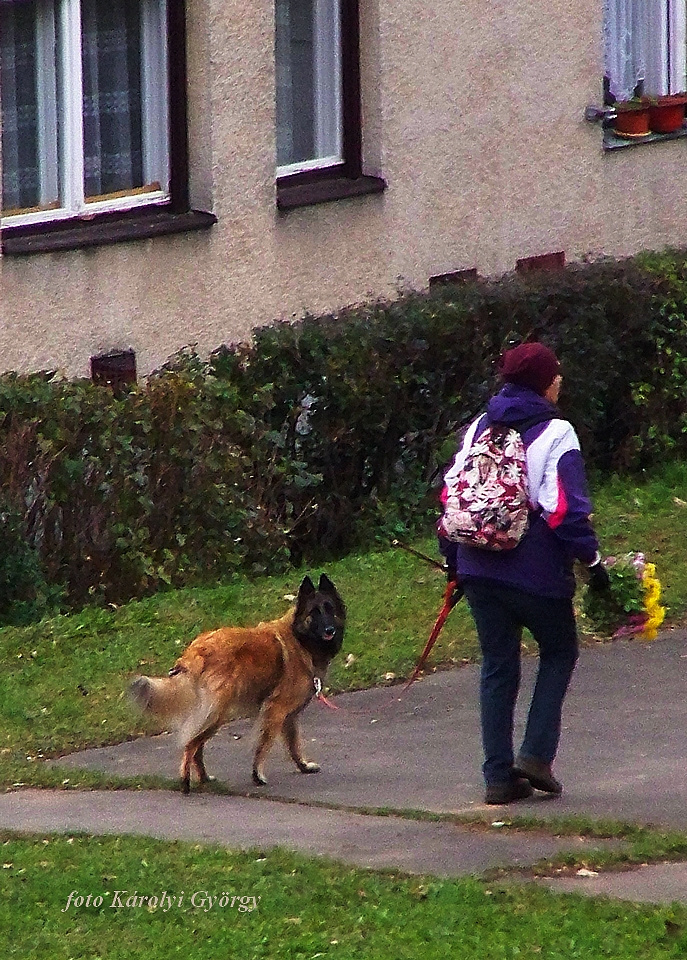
point(273, 669)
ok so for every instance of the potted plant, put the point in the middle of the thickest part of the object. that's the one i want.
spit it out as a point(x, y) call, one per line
point(667, 113)
point(632, 117)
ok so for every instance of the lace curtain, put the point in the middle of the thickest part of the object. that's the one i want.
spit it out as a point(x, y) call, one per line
point(20, 163)
point(644, 41)
point(626, 30)
point(111, 63)
point(295, 82)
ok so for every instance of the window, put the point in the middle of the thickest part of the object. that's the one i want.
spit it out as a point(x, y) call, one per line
point(93, 115)
point(309, 108)
point(84, 106)
point(645, 47)
point(318, 137)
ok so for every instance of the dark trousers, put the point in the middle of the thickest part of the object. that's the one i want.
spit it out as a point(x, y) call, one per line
point(500, 612)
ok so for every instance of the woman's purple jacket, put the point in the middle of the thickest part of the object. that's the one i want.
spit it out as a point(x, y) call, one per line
point(560, 529)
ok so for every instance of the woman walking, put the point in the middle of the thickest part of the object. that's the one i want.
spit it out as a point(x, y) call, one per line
point(531, 584)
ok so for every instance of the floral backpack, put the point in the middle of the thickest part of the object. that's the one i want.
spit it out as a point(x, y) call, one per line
point(488, 504)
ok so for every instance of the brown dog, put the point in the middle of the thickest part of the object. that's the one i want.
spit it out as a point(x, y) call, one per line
point(274, 668)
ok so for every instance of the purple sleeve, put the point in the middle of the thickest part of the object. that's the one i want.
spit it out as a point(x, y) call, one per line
point(570, 521)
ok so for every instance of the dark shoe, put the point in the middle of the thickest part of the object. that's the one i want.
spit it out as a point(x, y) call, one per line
point(539, 774)
point(516, 789)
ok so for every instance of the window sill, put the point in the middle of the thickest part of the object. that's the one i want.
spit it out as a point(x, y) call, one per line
point(612, 142)
point(76, 234)
point(291, 196)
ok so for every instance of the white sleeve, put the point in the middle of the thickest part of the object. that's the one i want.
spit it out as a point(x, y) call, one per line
point(543, 455)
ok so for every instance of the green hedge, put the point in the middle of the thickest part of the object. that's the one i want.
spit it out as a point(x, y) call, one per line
point(120, 496)
point(320, 435)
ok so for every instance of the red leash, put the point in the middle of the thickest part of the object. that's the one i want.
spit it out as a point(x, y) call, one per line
point(452, 595)
point(321, 697)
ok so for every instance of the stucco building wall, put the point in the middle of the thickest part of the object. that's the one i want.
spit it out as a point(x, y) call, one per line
point(473, 114)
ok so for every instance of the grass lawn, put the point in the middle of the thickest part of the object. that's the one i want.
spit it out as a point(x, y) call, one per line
point(293, 907)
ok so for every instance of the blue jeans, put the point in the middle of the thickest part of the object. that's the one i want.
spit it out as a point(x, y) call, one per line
point(500, 612)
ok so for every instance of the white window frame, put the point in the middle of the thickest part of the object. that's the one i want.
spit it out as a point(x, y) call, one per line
point(68, 167)
point(327, 92)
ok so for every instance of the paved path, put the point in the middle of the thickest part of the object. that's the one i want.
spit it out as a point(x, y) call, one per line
point(623, 756)
point(240, 823)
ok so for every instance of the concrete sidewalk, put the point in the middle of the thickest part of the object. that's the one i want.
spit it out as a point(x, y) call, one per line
point(622, 757)
point(241, 823)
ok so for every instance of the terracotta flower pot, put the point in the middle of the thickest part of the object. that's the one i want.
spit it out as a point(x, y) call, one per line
point(632, 119)
point(667, 114)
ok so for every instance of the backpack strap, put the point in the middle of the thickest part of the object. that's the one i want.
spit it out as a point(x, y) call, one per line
point(473, 430)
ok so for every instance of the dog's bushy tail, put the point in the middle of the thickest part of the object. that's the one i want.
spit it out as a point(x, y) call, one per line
point(177, 700)
point(169, 698)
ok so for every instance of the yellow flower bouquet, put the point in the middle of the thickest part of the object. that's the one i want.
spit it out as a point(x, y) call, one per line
point(631, 606)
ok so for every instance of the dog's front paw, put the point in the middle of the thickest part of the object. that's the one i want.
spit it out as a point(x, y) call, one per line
point(308, 766)
point(259, 779)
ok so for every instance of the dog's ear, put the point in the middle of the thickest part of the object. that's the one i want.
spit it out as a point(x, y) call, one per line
point(306, 589)
point(325, 585)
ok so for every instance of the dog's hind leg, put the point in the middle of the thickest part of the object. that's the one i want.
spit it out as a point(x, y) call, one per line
point(292, 738)
point(199, 765)
point(193, 757)
point(185, 769)
point(197, 760)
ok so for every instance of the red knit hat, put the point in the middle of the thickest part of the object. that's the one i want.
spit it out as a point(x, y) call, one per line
point(530, 365)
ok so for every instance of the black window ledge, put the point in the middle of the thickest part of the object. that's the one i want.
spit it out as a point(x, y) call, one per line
point(75, 234)
point(291, 196)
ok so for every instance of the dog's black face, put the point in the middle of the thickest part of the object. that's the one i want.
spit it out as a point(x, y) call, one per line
point(320, 617)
